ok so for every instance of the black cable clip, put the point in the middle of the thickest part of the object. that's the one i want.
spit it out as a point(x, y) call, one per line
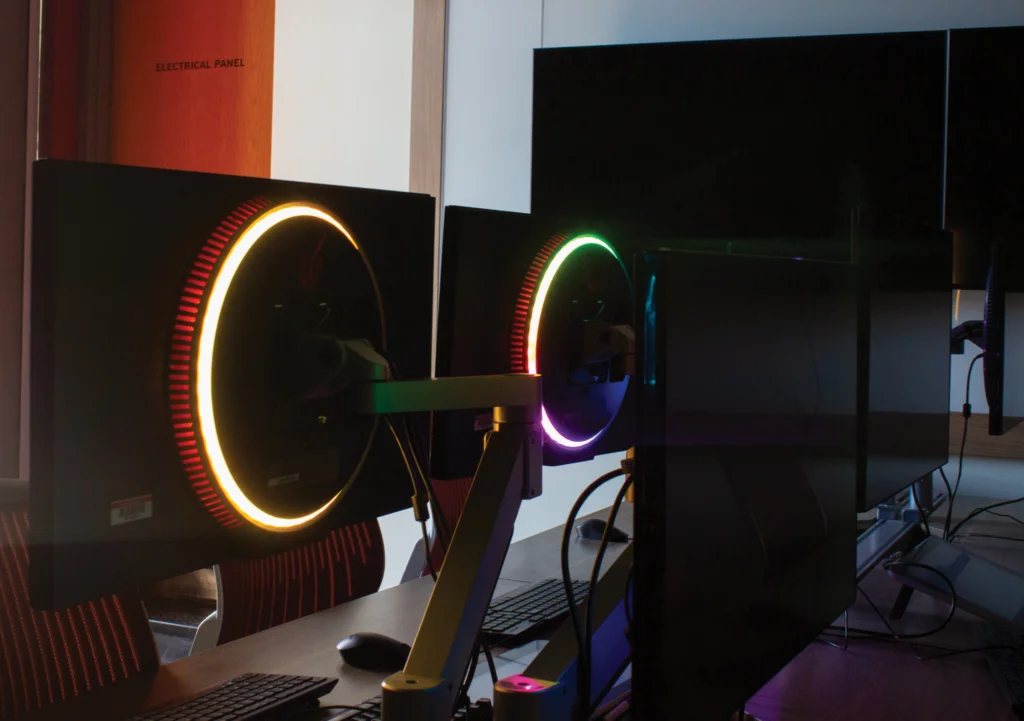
point(420, 508)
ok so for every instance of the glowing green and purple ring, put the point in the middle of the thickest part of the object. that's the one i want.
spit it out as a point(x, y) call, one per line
point(537, 312)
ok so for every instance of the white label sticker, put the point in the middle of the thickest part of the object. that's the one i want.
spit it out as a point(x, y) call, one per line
point(131, 509)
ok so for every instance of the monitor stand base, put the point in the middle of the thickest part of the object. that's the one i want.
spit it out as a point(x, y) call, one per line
point(982, 587)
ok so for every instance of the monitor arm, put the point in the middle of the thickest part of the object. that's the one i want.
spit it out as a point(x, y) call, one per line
point(509, 472)
point(547, 689)
point(972, 330)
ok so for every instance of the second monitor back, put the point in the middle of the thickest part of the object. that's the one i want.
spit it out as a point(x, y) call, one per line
point(486, 256)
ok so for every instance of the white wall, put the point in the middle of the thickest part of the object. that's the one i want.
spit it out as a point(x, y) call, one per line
point(342, 116)
point(343, 92)
point(602, 22)
point(489, 102)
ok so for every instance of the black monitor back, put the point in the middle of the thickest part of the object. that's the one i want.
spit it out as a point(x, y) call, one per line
point(752, 138)
point(745, 472)
point(111, 248)
point(486, 256)
point(984, 193)
point(905, 317)
point(905, 309)
point(985, 197)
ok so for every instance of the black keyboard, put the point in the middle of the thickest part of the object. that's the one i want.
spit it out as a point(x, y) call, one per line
point(530, 611)
point(1007, 665)
point(370, 711)
point(250, 696)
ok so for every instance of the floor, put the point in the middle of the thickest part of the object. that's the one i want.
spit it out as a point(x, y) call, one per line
point(173, 646)
point(174, 622)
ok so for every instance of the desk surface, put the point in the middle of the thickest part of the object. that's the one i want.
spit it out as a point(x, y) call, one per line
point(880, 681)
point(307, 646)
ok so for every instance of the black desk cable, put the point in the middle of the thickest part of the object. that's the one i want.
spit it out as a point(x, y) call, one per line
point(925, 515)
point(890, 632)
point(409, 449)
point(951, 491)
point(417, 449)
point(586, 651)
point(911, 638)
point(418, 446)
point(984, 509)
point(609, 685)
point(1017, 539)
point(420, 509)
point(1004, 515)
point(583, 674)
point(422, 514)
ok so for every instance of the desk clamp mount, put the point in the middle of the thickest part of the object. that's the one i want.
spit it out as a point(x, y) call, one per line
point(547, 689)
point(509, 472)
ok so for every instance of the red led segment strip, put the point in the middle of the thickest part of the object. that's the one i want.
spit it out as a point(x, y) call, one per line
point(522, 313)
point(181, 366)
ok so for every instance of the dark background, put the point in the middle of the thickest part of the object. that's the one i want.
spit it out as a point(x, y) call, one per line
point(741, 137)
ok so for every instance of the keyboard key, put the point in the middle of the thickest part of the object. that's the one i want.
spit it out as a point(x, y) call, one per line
point(531, 610)
point(244, 697)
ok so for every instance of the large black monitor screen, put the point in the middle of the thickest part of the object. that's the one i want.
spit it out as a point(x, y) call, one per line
point(906, 270)
point(185, 360)
point(741, 137)
point(984, 199)
point(906, 301)
point(745, 468)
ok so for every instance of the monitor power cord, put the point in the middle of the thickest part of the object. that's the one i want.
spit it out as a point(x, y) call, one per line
point(586, 652)
point(952, 490)
point(583, 674)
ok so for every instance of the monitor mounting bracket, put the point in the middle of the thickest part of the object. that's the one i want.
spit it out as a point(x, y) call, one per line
point(547, 689)
point(509, 472)
point(972, 330)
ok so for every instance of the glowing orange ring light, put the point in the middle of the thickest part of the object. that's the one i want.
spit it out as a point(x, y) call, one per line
point(215, 297)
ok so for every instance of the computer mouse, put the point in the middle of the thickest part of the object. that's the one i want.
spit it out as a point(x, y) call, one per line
point(593, 528)
point(373, 652)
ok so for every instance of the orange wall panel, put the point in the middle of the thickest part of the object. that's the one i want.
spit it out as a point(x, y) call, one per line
point(15, 68)
point(193, 85)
